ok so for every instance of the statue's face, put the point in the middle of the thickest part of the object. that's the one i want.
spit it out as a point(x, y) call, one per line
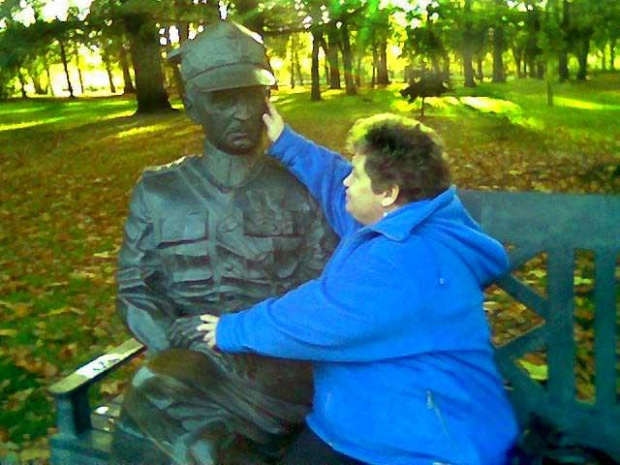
point(232, 118)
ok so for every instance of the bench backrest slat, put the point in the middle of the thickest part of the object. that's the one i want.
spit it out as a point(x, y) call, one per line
point(605, 328)
point(560, 226)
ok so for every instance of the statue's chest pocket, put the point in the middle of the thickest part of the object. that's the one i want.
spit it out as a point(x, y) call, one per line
point(182, 245)
point(281, 236)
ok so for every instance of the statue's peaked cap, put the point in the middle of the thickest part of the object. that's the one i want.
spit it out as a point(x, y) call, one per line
point(225, 55)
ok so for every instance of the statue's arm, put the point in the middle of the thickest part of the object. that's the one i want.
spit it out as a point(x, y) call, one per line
point(141, 301)
point(321, 171)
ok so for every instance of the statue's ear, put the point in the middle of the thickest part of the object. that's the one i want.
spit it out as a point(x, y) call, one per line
point(190, 108)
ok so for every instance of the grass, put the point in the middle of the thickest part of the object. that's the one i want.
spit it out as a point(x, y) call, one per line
point(67, 169)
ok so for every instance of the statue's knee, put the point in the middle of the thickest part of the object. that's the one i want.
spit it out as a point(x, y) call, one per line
point(186, 366)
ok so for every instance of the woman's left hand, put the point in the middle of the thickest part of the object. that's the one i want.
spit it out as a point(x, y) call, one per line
point(209, 327)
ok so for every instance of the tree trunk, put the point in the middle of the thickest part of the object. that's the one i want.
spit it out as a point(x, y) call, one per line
point(584, 49)
point(38, 85)
point(549, 91)
point(315, 93)
point(563, 67)
point(347, 58)
point(292, 61)
point(446, 66)
point(468, 69)
point(128, 87)
point(604, 58)
point(108, 69)
point(540, 70)
point(479, 70)
point(176, 72)
point(383, 77)
point(332, 56)
point(375, 58)
point(22, 84)
point(358, 71)
point(79, 68)
point(563, 73)
point(145, 54)
point(49, 79)
point(612, 55)
point(325, 60)
point(65, 65)
point(499, 76)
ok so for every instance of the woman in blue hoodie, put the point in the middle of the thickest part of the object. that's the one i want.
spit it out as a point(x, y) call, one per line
point(403, 365)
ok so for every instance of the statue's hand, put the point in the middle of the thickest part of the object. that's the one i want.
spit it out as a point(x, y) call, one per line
point(183, 333)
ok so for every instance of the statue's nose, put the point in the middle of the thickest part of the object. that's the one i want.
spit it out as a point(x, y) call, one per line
point(243, 109)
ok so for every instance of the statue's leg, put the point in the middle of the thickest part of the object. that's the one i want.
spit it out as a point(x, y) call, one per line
point(192, 411)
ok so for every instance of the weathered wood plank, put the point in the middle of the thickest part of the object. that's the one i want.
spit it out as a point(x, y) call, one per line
point(605, 327)
point(561, 354)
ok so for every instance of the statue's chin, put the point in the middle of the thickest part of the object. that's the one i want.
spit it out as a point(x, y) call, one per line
point(241, 148)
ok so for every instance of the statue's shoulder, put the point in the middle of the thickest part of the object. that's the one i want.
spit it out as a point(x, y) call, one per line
point(273, 173)
point(157, 176)
point(172, 168)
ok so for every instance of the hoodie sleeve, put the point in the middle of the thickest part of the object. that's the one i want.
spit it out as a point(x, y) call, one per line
point(322, 171)
point(363, 313)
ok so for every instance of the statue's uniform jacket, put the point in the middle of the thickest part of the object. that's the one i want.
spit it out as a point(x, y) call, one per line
point(193, 247)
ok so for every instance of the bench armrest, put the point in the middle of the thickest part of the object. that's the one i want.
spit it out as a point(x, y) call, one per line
point(71, 393)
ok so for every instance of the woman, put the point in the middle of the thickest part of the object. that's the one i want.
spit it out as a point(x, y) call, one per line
point(403, 366)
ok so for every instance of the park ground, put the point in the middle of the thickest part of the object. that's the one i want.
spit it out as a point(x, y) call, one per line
point(67, 168)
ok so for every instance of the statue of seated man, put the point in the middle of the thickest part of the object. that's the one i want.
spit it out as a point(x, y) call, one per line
point(215, 234)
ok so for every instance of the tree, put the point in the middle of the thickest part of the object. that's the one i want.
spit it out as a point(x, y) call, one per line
point(499, 41)
point(467, 47)
point(138, 21)
point(333, 44)
point(315, 92)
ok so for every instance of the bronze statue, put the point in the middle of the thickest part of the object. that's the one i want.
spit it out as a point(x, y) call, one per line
point(215, 234)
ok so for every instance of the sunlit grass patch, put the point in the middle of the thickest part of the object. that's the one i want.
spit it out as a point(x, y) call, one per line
point(29, 124)
point(492, 105)
point(583, 104)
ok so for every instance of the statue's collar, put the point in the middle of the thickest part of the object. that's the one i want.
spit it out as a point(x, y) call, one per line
point(228, 171)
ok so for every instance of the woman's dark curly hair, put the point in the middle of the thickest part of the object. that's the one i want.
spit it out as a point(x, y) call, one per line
point(401, 151)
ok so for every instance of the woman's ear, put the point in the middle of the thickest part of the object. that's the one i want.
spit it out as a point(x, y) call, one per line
point(390, 196)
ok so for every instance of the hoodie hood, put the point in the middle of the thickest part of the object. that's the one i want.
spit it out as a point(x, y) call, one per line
point(444, 220)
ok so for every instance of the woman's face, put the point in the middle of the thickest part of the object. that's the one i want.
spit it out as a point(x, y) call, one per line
point(362, 203)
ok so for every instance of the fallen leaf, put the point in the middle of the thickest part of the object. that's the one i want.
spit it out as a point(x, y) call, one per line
point(34, 454)
point(8, 332)
point(67, 352)
point(7, 305)
point(65, 310)
point(21, 396)
point(536, 372)
point(49, 370)
point(82, 275)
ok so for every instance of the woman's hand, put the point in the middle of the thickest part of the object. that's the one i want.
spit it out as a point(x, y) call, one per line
point(209, 327)
point(273, 121)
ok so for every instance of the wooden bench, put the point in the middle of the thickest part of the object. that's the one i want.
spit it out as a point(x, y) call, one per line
point(530, 224)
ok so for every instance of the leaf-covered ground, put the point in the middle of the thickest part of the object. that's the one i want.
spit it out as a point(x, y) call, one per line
point(67, 168)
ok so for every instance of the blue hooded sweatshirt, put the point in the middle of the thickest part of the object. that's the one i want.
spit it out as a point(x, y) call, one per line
point(403, 365)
